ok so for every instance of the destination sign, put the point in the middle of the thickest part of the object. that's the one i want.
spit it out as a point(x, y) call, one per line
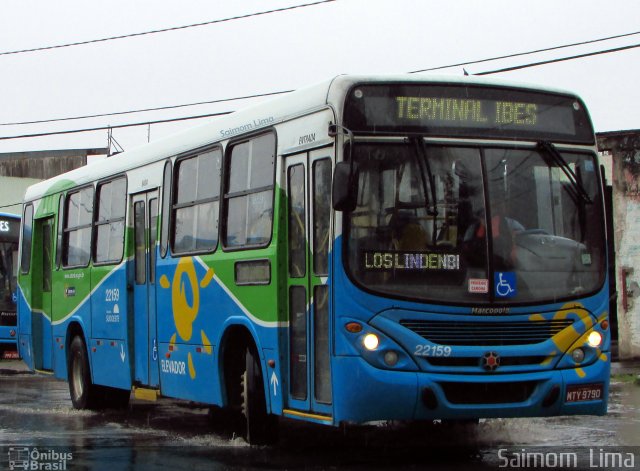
point(9, 228)
point(472, 112)
point(419, 261)
point(468, 111)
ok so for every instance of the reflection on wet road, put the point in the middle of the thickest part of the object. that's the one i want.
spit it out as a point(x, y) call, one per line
point(36, 411)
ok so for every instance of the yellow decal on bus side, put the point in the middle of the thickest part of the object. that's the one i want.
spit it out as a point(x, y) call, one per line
point(185, 280)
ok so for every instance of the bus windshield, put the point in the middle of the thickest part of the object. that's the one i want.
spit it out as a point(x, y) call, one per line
point(475, 224)
point(8, 282)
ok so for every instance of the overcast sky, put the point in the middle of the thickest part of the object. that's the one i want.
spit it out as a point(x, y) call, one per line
point(286, 50)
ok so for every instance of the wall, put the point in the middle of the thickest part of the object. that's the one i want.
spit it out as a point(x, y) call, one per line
point(19, 170)
point(41, 164)
point(624, 147)
point(12, 191)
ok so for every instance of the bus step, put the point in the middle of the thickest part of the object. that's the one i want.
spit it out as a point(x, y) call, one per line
point(295, 414)
point(146, 394)
point(44, 372)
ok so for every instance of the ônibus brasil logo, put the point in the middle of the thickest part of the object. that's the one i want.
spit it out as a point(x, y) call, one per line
point(33, 459)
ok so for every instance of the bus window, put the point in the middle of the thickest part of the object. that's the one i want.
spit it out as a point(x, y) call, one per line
point(322, 358)
point(166, 209)
point(141, 247)
point(321, 215)
point(76, 241)
point(60, 232)
point(249, 193)
point(153, 231)
point(27, 224)
point(297, 222)
point(196, 201)
point(298, 341)
point(47, 258)
point(109, 245)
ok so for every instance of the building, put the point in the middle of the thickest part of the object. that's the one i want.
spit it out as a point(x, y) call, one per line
point(18, 170)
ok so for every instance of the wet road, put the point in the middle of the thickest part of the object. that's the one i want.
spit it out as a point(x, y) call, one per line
point(36, 413)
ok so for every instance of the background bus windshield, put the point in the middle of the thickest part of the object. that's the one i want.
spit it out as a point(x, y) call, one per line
point(429, 227)
point(9, 233)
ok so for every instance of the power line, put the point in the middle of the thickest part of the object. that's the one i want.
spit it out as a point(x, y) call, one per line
point(19, 203)
point(518, 54)
point(160, 108)
point(561, 59)
point(506, 69)
point(164, 30)
point(117, 126)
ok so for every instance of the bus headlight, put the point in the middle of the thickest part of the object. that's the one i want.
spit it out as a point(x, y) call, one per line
point(371, 342)
point(594, 339)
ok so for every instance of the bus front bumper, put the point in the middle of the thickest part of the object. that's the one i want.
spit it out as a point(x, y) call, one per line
point(8, 342)
point(363, 393)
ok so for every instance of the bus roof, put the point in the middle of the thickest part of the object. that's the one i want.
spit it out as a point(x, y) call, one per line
point(266, 114)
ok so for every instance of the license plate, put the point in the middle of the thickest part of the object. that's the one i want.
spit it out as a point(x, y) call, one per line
point(584, 392)
point(10, 355)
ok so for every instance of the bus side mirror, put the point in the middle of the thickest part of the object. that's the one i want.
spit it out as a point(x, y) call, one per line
point(344, 191)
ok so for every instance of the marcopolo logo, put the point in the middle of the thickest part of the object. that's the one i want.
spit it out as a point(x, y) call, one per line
point(40, 460)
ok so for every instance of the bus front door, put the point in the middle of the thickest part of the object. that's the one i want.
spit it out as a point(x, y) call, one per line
point(145, 218)
point(42, 313)
point(308, 186)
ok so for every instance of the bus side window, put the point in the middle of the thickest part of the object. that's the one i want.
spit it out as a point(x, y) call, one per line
point(248, 193)
point(76, 239)
point(166, 209)
point(321, 215)
point(112, 202)
point(196, 201)
point(59, 233)
point(27, 224)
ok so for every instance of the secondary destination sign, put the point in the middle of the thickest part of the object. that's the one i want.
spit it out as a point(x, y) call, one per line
point(420, 261)
point(468, 111)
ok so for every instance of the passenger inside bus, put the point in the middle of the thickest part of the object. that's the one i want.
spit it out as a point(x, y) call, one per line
point(407, 233)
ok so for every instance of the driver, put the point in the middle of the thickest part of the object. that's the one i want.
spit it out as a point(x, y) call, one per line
point(503, 230)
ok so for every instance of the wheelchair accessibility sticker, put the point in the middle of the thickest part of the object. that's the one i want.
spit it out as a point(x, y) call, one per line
point(505, 283)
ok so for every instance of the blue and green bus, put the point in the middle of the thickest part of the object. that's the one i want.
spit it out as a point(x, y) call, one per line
point(368, 248)
point(9, 236)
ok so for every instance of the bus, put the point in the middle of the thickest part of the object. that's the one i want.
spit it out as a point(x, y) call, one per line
point(383, 248)
point(9, 235)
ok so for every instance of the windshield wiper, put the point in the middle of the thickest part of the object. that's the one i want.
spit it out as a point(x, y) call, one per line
point(425, 167)
point(548, 149)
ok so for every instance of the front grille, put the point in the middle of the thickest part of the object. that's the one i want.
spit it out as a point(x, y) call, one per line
point(488, 393)
point(475, 361)
point(487, 333)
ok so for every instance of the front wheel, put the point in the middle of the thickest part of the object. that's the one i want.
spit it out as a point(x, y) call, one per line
point(84, 394)
point(261, 428)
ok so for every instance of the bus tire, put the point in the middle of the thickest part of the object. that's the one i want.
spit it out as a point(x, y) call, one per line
point(84, 394)
point(260, 428)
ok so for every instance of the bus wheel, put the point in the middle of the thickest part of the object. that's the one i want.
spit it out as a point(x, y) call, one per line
point(84, 394)
point(261, 428)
